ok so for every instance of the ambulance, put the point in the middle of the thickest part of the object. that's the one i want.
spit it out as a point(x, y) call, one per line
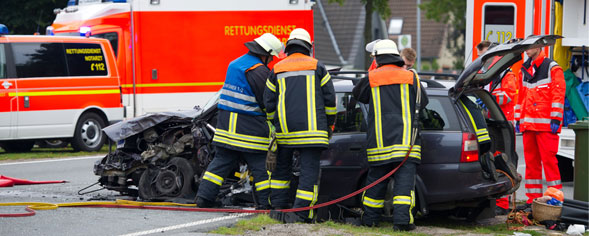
point(501, 20)
point(62, 89)
point(173, 54)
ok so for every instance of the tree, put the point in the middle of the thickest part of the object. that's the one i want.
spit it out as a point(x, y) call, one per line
point(28, 17)
point(450, 12)
point(383, 10)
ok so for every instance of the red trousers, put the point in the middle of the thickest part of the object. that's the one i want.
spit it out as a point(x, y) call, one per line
point(540, 149)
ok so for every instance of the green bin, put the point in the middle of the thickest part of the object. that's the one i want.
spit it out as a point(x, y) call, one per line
point(581, 183)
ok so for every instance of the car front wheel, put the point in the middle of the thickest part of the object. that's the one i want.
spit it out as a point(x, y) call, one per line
point(88, 135)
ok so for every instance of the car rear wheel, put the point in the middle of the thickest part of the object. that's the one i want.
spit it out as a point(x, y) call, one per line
point(17, 145)
point(88, 135)
point(52, 143)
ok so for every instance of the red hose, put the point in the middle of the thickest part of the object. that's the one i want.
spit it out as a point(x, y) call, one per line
point(31, 212)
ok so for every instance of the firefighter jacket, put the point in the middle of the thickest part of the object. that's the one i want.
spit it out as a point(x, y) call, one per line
point(542, 95)
point(241, 124)
point(300, 101)
point(391, 94)
point(505, 93)
point(478, 122)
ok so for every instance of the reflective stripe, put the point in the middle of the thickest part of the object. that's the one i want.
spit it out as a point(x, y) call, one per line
point(533, 181)
point(325, 79)
point(237, 143)
point(239, 106)
point(213, 178)
point(305, 133)
point(270, 116)
point(66, 92)
point(238, 95)
point(296, 73)
point(305, 195)
point(270, 86)
point(300, 141)
point(411, 208)
point(377, 116)
point(262, 185)
point(281, 105)
point(537, 83)
point(232, 122)
point(517, 115)
point(396, 154)
point(315, 197)
point(500, 97)
point(243, 137)
point(373, 202)
point(556, 114)
point(557, 105)
point(279, 184)
point(311, 116)
point(534, 190)
point(517, 106)
point(537, 120)
point(402, 200)
point(395, 147)
point(406, 114)
point(163, 85)
point(552, 183)
point(330, 110)
point(482, 134)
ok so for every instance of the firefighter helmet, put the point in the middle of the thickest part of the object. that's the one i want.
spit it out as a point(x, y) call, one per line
point(269, 43)
point(300, 37)
point(385, 46)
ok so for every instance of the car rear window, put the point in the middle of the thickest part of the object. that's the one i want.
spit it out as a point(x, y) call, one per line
point(349, 114)
point(439, 115)
point(85, 59)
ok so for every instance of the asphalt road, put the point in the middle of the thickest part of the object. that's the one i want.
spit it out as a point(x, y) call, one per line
point(88, 221)
point(94, 221)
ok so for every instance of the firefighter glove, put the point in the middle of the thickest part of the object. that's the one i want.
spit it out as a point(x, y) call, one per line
point(554, 125)
point(271, 161)
point(517, 126)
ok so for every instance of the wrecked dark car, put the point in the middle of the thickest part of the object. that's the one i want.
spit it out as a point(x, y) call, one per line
point(161, 157)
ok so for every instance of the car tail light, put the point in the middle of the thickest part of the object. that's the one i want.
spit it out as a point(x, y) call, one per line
point(470, 148)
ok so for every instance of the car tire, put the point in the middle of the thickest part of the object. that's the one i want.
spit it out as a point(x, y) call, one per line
point(184, 173)
point(17, 145)
point(88, 135)
point(52, 143)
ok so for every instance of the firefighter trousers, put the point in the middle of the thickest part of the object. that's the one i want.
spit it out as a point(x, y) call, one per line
point(307, 189)
point(540, 149)
point(403, 194)
point(227, 160)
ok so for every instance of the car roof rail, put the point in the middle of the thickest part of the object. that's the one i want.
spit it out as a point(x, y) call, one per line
point(361, 74)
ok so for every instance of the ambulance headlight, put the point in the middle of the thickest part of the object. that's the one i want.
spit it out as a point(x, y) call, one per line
point(84, 30)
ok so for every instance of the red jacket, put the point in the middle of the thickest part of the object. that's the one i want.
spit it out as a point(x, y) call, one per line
point(541, 96)
point(505, 94)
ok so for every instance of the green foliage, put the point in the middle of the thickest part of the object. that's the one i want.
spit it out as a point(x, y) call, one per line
point(37, 153)
point(252, 224)
point(435, 65)
point(28, 16)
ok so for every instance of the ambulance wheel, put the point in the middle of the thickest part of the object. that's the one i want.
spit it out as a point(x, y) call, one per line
point(17, 145)
point(88, 135)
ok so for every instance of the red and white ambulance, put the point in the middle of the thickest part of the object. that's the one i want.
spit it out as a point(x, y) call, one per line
point(174, 54)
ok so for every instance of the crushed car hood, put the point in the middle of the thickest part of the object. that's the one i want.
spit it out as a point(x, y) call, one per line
point(128, 128)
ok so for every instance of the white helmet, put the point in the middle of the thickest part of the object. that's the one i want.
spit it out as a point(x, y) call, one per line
point(302, 35)
point(385, 46)
point(370, 46)
point(269, 43)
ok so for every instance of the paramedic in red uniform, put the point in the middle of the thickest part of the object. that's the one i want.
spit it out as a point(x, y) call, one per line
point(539, 117)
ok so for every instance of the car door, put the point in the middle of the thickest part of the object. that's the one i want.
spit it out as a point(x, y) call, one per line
point(7, 95)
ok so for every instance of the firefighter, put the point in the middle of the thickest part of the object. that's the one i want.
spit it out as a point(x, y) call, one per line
point(242, 130)
point(300, 101)
point(504, 91)
point(391, 93)
point(538, 115)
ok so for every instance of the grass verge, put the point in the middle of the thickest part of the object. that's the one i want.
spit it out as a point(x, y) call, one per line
point(37, 153)
point(261, 221)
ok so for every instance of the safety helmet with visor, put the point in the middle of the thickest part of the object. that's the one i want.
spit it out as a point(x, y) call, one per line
point(385, 46)
point(300, 37)
point(266, 45)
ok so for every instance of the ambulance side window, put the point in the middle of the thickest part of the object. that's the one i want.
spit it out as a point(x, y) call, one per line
point(2, 61)
point(39, 60)
point(85, 59)
point(112, 37)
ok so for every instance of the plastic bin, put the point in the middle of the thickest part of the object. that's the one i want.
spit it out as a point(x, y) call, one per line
point(581, 178)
